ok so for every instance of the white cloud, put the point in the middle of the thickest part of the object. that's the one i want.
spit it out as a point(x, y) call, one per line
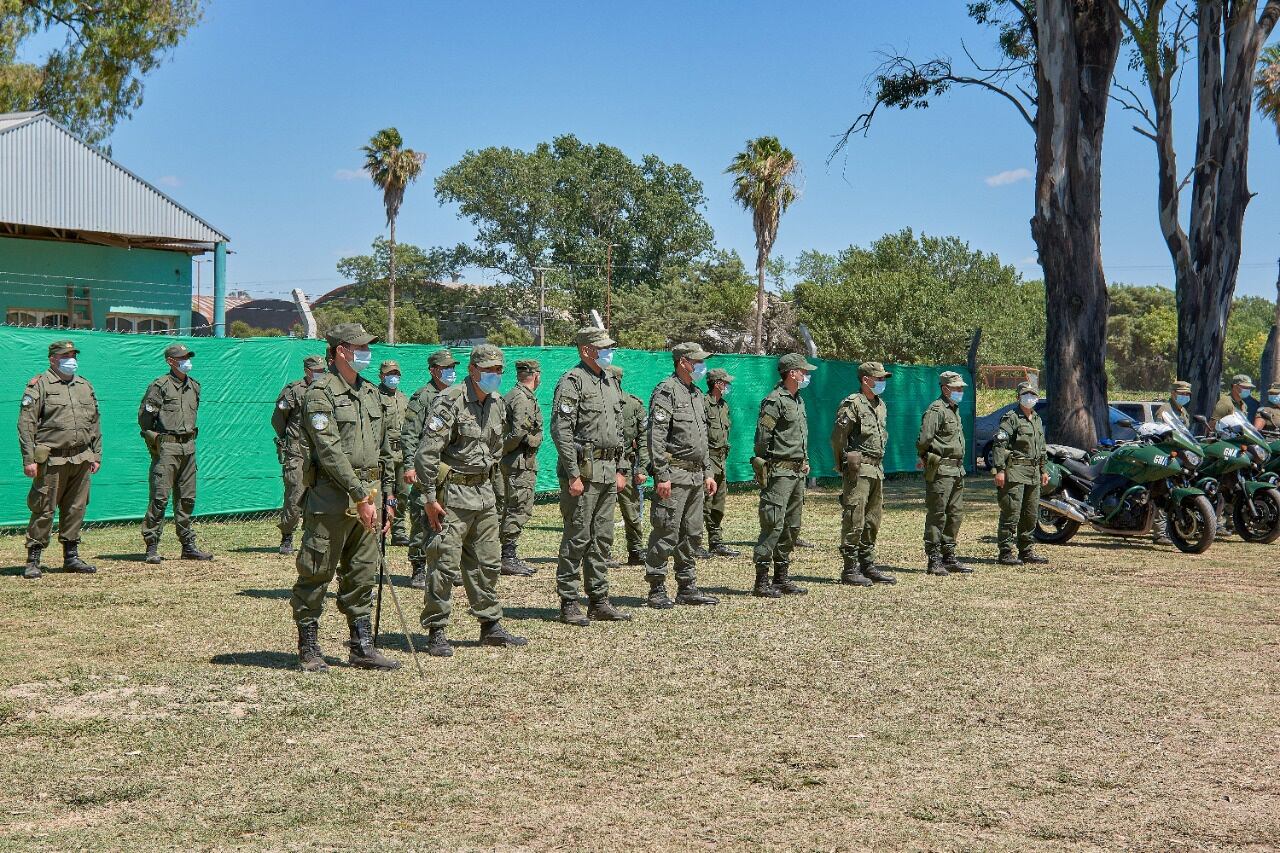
point(348, 174)
point(170, 181)
point(1010, 176)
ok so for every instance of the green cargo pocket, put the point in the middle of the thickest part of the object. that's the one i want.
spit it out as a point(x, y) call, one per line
point(314, 558)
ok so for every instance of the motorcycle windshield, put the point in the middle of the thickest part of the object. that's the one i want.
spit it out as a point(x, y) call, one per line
point(1237, 427)
point(1180, 435)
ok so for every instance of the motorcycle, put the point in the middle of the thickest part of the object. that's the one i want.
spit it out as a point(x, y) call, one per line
point(1237, 456)
point(1118, 492)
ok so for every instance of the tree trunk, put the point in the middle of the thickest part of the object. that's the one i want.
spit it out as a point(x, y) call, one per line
point(391, 289)
point(761, 262)
point(1078, 43)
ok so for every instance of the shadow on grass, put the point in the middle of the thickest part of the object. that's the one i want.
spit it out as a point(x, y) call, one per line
point(123, 558)
point(396, 642)
point(277, 594)
point(260, 550)
point(265, 659)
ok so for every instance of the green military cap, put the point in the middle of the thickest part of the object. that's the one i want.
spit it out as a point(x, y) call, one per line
point(616, 371)
point(1181, 387)
point(690, 350)
point(1274, 389)
point(794, 361)
point(351, 334)
point(62, 348)
point(441, 358)
point(590, 336)
point(389, 366)
point(486, 355)
point(1026, 386)
point(313, 362)
point(528, 365)
point(177, 351)
point(874, 369)
point(1242, 380)
point(952, 379)
point(718, 375)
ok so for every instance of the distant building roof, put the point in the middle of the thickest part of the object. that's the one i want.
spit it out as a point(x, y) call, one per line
point(52, 184)
point(203, 304)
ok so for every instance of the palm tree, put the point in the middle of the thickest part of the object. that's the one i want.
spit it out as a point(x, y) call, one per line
point(392, 168)
point(1267, 85)
point(764, 183)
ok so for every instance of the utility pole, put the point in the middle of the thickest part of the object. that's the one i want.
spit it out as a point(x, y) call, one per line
point(542, 305)
point(608, 283)
point(198, 262)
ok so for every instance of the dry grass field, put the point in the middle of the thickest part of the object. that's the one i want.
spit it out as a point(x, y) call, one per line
point(1124, 697)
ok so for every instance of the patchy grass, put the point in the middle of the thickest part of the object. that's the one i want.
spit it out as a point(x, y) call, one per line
point(1124, 697)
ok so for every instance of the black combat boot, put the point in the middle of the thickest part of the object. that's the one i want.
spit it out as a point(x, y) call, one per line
point(953, 565)
point(700, 553)
point(658, 599)
point(512, 566)
point(873, 571)
point(803, 543)
point(764, 589)
point(310, 659)
point(437, 644)
point(286, 543)
point(852, 575)
point(493, 634)
point(687, 592)
point(635, 558)
point(1008, 558)
point(191, 552)
point(399, 538)
point(32, 571)
point(782, 580)
point(719, 549)
point(418, 578)
point(934, 565)
point(601, 609)
point(153, 554)
point(364, 654)
point(571, 613)
point(1030, 556)
point(71, 561)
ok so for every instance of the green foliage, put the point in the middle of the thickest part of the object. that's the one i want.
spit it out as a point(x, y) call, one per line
point(1247, 330)
point(391, 167)
point(92, 80)
point(241, 329)
point(508, 334)
point(416, 270)
point(412, 326)
point(1142, 337)
point(1266, 85)
point(708, 301)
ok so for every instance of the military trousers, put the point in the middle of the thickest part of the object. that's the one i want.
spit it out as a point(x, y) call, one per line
point(64, 488)
point(468, 545)
point(517, 506)
point(675, 529)
point(943, 513)
point(713, 506)
point(587, 538)
point(401, 492)
point(781, 512)
point(629, 509)
point(173, 472)
point(420, 533)
point(1019, 509)
point(294, 490)
point(863, 505)
point(335, 544)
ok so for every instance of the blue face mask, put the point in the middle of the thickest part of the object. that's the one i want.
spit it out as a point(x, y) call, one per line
point(361, 359)
point(724, 392)
point(804, 381)
point(313, 376)
point(489, 381)
point(604, 357)
point(699, 371)
point(1028, 401)
point(184, 366)
point(68, 365)
point(1182, 399)
point(1273, 399)
point(1246, 393)
point(956, 396)
point(448, 375)
point(391, 380)
point(879, 387)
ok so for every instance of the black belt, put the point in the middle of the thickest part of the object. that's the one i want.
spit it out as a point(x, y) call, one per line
point(787, 464)
point(609, 453)
point(68, 451)
point(719, 453)
point(686, 465)
point(467, 479)
point(367, 473)
point(177, 436)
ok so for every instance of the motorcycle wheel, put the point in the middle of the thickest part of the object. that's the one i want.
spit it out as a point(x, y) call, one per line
point(1263, 528)
point(1192, 525)
point(1054, 529)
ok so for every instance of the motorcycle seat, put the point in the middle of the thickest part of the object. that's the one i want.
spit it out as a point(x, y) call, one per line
point(1083, 470)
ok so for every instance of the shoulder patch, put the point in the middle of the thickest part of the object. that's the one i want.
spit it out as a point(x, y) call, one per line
point(435, 423)
point(566, 408)
point(150, 407)
point(319, 420)
point(1002, 435)
point(843, 420)
point(27, 400)
point(659, 415)
point(283, 404)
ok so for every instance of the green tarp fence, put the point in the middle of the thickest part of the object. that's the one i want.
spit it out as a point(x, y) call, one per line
point(240, 380)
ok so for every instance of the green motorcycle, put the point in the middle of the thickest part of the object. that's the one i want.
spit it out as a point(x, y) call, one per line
point(1237, 456)
point(1119, 492)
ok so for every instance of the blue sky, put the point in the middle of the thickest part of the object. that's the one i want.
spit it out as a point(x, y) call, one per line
point(256, 122)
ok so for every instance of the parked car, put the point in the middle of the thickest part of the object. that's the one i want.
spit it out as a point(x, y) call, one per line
point(1138, 411)
point(984, 428)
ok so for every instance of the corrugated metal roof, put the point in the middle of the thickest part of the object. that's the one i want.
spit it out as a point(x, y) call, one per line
point(51, 179)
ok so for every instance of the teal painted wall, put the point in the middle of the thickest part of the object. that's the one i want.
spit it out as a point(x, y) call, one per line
point(35, 274)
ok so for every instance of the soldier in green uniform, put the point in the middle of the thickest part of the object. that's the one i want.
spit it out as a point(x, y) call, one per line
point(349, 471)
point(522, 436)
point(286, 420)
point(718, 425)
point(635, 459)
point(781, 462)
point(586, 427)
point(1268, 416)
point(60, 439)
point(394, 409)
point(940, 446)
point(858, 443)
point(460, 446)
point(682, 476)
point(1234, 400)
point(442, 366)
point(1018, 458)
point(167, 417)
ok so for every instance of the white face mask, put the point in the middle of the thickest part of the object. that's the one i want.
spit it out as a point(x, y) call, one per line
point(314, 375)
point(1028, 401)
point(724, 391)
point(604, 357)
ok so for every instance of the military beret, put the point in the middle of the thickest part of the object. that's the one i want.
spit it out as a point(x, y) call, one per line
point(528, 365)
point(313, 362)
point(177, 351)
point(389, 366)
point(952, 379)
point(690, 350)
point(1028, 387)
point(874, 369)
point(1242, 380)
point(1182, 387)
point(486, 355)
point(351, 334)
point(590, 336)
point(441, 358)
point(62, 348)
point(794, 361)
point(718, 375)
